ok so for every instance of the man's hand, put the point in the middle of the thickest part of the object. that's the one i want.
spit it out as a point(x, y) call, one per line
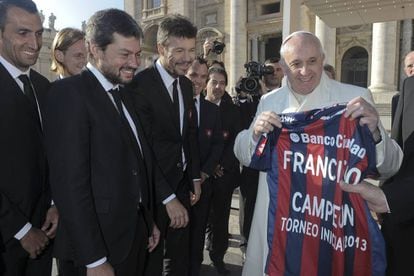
point(360, 108)
point(34, 242)
point(51, 222)
point(195, 197)
point(218, 171)
point(154, 238)
point(265, 123)
point(104, 269)
point(204, 176)
point(177, 214)
point(375, 197)
point(207, 46)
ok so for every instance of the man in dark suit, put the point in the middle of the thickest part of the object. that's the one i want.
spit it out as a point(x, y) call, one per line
point(227, 172)
point(163, 99)
point(27, 221)
point(211, 146)
point(395, 198)
point(101, 170)
point(409, 71)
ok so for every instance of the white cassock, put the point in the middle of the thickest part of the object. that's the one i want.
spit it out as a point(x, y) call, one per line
point(282, 100)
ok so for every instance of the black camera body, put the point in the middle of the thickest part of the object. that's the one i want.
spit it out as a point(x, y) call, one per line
point(218, 47)
point(255, 71)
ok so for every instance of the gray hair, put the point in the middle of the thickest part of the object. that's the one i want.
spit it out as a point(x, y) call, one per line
point(304, 34)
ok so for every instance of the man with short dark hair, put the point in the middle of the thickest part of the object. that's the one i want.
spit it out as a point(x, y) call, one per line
point(211, 146)
point(27, 221)
point(226, 175)
point(164, 101)
point(101, 168)
point(274, 80)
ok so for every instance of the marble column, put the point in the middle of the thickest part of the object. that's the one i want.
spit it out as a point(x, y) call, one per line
point(291, 17)
point(406, 42)
point(238, 41)
point(254, 47)
point(384, 65)
point(384, 57)
point(327, 36)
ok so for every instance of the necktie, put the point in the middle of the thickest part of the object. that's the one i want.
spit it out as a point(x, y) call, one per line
point(30, 93)
point(116, 94)
point(197, 109)
point(176, 100)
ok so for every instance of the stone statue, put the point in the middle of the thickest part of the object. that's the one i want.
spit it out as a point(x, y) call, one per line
point(42, 16)
point(52, 19)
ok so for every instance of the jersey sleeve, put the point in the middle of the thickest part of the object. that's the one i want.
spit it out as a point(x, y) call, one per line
point(262, 157)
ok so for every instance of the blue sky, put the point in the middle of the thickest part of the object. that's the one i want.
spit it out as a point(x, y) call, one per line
point(71, 13)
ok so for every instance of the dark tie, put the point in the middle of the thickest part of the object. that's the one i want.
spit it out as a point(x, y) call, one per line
point(176, 100)
point(30, 93)
point(197, 110)
point(116, 94)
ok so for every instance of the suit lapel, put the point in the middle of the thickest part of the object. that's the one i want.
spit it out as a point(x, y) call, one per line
point(164, 96)
point(12, 90)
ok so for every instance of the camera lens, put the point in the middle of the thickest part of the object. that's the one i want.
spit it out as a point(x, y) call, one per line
point(250, 85)
point(218, 47)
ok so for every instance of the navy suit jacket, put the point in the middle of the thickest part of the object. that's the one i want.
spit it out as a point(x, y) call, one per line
point(24, 189)
point(209, 136)
point(97, 178)
point(156, 112)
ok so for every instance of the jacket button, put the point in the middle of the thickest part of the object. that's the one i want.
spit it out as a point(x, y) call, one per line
point(134, 172)
point(179, 165)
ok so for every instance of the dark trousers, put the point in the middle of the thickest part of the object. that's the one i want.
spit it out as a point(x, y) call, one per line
point(198, 224)
point(17, 262)
point(249, 183)
point(133, 265)
point(171, 257)
point(218, 223)
point(399, 244)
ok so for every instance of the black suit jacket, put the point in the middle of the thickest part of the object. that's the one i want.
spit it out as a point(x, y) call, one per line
point(155, 109)
point(404, 114)
point(394, 104)
point(96, 177)
point(231, 125)
point(24, 190)
point(209, 136)
point(398, 226)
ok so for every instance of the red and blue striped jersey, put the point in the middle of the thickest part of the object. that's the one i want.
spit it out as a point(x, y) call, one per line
point(314, 228)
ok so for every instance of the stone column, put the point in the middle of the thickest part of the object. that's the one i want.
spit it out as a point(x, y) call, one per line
point(406, 42)
point(255, 47)
point(291, 17)
point(384, 66)
point(238, 41)
point(384, 53)
point(327, 36)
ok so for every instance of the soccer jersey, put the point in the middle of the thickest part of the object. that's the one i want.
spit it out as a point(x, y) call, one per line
point(314, 228)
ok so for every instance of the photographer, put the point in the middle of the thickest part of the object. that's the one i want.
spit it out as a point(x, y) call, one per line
point(250, 177)
point(212, 45)
point(274, 80)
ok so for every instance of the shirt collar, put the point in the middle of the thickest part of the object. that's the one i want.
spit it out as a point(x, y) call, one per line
point(165, 76)
point(106, 84)
point(13, 70)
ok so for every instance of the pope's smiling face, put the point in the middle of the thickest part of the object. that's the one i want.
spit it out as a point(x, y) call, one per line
point(303, 64)
point(21, 38)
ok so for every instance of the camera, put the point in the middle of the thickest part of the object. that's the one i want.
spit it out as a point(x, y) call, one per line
point(218, 47)
point(255, 71)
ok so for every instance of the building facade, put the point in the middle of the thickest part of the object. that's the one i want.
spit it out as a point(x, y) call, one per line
point(369, 55)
